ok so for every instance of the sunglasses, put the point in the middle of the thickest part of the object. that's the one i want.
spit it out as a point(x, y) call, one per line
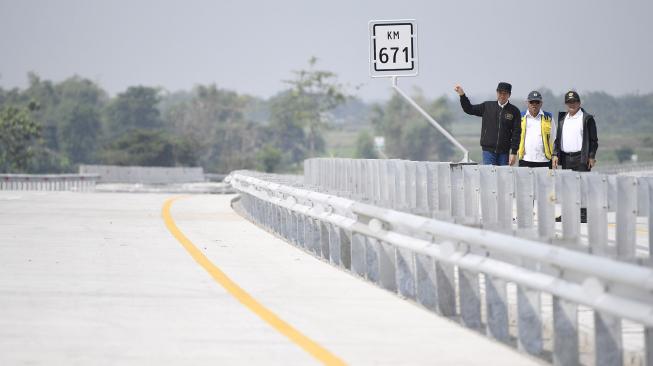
point(534, 102)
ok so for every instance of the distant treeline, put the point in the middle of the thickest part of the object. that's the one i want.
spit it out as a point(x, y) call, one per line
point(631, 113)
point(52, 127)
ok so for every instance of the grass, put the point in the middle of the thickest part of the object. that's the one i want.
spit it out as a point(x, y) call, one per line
point(342, 142)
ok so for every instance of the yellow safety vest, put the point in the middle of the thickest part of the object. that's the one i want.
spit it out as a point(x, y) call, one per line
point(545, 123)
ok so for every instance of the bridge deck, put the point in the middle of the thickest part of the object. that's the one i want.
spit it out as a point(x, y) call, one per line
point(97, 278)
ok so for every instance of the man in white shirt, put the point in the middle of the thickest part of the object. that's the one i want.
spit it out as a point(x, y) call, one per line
point(535, 143)
point(576, 138)
point(576, 141)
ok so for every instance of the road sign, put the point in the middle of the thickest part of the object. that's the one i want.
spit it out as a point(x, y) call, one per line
point(393, 48)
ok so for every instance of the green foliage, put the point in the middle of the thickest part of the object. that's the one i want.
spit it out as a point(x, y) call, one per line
point(18, 133)
point(299, 116)
point(214, 119)
point(408, 135)
point(148, 148)
point(79, 131)
point(624, 153)
point(136, 108)
point(269, 158)
point(365, 146)
point(235, 146)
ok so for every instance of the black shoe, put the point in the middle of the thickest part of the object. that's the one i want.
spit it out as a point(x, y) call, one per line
point(583, 215)
point(559, 219)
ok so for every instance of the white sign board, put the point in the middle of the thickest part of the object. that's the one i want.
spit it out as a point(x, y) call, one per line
point(393, 48)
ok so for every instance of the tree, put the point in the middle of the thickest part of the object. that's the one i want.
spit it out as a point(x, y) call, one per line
point(408, 135)
point(148, 148)
point(136, 108)
point(18, 133)
point(299, 115)
point(269, 158)
point(235, 146)
point(78, 117)
point(202, 115)
point(79, 130)
point(365, 146)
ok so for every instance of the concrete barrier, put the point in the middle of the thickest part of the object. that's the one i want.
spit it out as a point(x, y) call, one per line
point(144, 174)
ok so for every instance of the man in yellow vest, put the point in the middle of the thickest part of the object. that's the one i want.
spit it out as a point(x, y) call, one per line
point(535, 144)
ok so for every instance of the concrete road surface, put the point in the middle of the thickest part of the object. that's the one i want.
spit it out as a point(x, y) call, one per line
point(98, 279)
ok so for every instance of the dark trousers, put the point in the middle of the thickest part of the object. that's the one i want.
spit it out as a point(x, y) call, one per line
point(572, 161)
point(533, 164)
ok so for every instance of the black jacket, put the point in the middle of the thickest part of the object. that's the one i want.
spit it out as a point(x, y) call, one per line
point(590, 139)
point(500, 127)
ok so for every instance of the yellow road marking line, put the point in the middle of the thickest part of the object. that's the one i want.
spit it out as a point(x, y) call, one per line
point(243, 297)
point(641, 231)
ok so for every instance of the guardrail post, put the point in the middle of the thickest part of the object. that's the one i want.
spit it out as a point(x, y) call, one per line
point(472, 187)
point(426, 281)
point(384, 183)
point(470, 300)
point(405, 272)
point(358, 256)
point(391, 170)
point(432, 193)
point(569, 197)
point(324, 240)
point(506, 193)
point(546, 199)
point(608, 348)
point(446, 288)
point(421, 189)
point(387, 266)
point(457, 192)
point(334, 244)
point(369, 181)
point(496, 298)
point(294, 238)
point(529, 321)
point(626, 216)
point(372, 254)
point(312, 238)
point(596, 189)
point(411, 186)
point(400, 182)
point(345, 249)
point(525, 197)
point(378, 182)
point(489, 200)
point(301, 230)
point(444, 192)
point(565, 329)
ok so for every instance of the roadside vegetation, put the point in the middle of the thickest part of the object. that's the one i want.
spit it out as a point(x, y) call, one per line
point(52, 127)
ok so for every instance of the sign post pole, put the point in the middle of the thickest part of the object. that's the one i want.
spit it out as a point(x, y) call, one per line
point(393, 53)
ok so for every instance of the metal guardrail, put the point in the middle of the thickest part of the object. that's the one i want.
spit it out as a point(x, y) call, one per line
point(523, 202)
point(457, 270)
point(48, 182)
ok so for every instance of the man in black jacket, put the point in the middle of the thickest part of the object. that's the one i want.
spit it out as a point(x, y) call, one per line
point(576, 141)
point(500, 125)
point(576, 138)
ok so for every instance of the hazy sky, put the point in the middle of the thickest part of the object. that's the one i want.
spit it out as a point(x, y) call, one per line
point(251, 46)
